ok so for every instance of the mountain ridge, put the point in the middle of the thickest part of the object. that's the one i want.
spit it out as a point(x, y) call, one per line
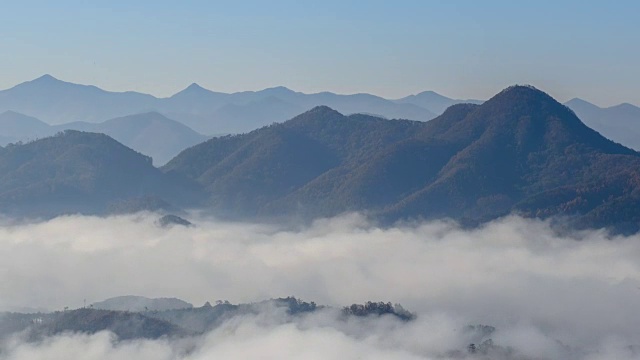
point(80, 172)
point(473, 163)
point(55, 102)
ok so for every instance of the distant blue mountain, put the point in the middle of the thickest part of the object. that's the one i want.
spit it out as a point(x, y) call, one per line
point(620, 123)
point(55, 101)
point(151, 134)
point(208, 112)
point(433, 101)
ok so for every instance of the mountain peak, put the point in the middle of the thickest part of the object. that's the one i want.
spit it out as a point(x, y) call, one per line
point(322, 109)
point(522, 95)
point(579, 105)
point(278, 90)
point(578, 101)
point(430, 94)
point(46, 78)
point(319, 113)
point(522, 89)
point(194, 87)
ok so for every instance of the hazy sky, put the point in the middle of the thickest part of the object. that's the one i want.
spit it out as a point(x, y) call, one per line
point(463, 49)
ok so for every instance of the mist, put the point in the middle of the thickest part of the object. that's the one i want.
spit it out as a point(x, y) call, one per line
point(548, 295)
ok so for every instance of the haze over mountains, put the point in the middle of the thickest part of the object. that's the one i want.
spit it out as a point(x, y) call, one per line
point(520, 151)
point(72, 106)
point(56, 102)
point(152, 134)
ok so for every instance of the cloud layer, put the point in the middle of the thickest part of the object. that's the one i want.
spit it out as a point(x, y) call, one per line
point(548, 295)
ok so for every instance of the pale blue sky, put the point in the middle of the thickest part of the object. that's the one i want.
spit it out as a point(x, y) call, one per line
point(463, 49)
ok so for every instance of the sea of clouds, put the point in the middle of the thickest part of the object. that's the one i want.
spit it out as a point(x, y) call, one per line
point(550, 296)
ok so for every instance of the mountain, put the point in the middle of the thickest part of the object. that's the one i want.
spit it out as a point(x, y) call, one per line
point(242, 117)
point(56, 102)
point(246, 173)
point(245, 111)
point(521, 151)
point(150, 133)
point(16, 127)
point(82, 172)
point(433, 101)
point(620, 123)
point(196, 100)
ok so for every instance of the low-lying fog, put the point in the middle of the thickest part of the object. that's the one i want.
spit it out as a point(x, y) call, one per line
point(549, 296)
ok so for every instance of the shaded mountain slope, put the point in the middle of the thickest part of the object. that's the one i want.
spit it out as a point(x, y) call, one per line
point(515, 148)
point(245, 172)
point(81, 172)
point(520, 151)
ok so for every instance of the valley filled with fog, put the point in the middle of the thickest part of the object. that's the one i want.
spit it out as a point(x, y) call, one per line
point(548, 294)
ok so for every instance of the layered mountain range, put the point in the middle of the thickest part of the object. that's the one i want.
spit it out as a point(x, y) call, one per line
point(162, 127)
point(207, 112)
point(82, 172)
point(151, 134)
point(519, 152)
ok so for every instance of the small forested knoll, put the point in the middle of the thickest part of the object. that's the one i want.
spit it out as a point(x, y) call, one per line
point(76, 171)
point(246, 174)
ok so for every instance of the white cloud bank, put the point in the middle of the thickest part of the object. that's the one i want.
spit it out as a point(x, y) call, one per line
point(549, 296)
